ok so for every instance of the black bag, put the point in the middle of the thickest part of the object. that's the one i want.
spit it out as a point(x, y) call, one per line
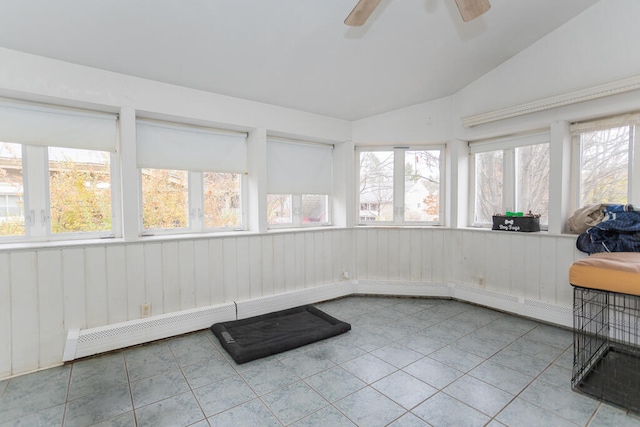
point(516, 223)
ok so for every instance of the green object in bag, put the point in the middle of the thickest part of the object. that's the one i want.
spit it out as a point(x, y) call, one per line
point(514, 214)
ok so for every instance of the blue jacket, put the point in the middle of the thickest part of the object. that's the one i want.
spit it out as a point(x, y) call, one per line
point(619, 233)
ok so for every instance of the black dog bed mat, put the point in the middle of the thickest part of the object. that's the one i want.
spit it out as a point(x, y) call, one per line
point(260, 336)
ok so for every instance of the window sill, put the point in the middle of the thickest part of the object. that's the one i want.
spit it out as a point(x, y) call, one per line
point(59, 244)
point(285, 230)
point(75, 243)
point(533, 233)
point(79, 243)
point(402, 226)
point(193, 236)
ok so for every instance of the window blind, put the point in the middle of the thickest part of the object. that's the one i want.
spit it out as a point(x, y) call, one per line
point(163, 145)
point(35, 124)
point(299, 168)
point(606, 123)
point(509, 142)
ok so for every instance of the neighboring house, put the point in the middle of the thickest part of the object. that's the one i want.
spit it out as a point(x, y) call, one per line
point(377, 205)
point(11, 189)
point(416, 201)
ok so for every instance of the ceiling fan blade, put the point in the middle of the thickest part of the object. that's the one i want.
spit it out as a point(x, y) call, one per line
point(361, 12)
point(471, 9)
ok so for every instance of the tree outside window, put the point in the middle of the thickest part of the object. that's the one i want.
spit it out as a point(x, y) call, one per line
point(400, 185)
point(532, 180)
point(165, 199)
point(489, 179)
point(221, 200)
point(376, 185)
point(513, 178)
point(79, 190)
point(422, 185)
point(604, 169)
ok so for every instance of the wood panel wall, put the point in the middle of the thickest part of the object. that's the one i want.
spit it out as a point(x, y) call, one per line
point(45, 292)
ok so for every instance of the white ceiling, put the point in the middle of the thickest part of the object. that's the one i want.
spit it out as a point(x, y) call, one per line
point(291, 53)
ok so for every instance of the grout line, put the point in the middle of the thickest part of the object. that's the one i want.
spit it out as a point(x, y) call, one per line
point(133, 406)
point(363, 313)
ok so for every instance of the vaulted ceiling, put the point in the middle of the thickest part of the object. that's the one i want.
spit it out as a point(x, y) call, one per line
point(290, 53)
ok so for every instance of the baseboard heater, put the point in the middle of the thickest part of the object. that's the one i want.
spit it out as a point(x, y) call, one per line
point(87, 342)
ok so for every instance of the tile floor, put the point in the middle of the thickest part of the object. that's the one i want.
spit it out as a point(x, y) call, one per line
point(406, 362)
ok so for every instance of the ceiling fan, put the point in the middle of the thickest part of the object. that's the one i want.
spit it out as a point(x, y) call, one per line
point(469, 9)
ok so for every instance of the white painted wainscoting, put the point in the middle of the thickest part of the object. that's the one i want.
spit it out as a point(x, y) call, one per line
point(46, 292)
point(533, 266)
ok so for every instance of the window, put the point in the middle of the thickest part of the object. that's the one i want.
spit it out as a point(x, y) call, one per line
point(12, 222)
point(222, 200)
point(299, 182)
point(165, 198)
point(489, 177)
point(422, 185)
point(376, 185)
point(191, 177)
point(532, 180)
point(604, 150)
point(79, 190)
point(510, 174)
point(66, 191)
point(401, 185)
point(297, 210)
point(279, 209)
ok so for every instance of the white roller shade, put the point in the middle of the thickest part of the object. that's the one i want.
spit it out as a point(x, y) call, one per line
point(509, 142)
point(298, 168)
point(168, 146)
point(607, 123)
point(34, 124)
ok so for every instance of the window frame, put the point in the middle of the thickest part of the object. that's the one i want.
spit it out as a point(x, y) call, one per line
point(242, 198)
point(38, 126)
point(25, 199)
point(196, 149)
point(399, 190)
point(296, 213)
point(37, 199)
point(116, 196)
point(508, 146)
point(195, 208)
point(289, 179)
point(633, 163)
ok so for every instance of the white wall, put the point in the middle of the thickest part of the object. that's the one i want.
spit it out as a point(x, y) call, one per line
point(429, 122)
point(45, 291)
point(598, 46)
point(531, 266)
point(32, 77)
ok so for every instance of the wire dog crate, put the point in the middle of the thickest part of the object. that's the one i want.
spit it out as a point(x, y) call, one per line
point(606, 346)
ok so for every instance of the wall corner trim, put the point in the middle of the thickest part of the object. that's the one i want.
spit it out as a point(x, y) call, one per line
point(71, 345)
point(601, 90)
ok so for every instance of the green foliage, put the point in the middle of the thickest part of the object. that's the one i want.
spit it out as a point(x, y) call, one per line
point(12, 227)
point(221, 200)
point(164, 199)
point(78, 203)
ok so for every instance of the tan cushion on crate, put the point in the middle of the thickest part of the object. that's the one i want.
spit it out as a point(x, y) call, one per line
point(615, 272)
